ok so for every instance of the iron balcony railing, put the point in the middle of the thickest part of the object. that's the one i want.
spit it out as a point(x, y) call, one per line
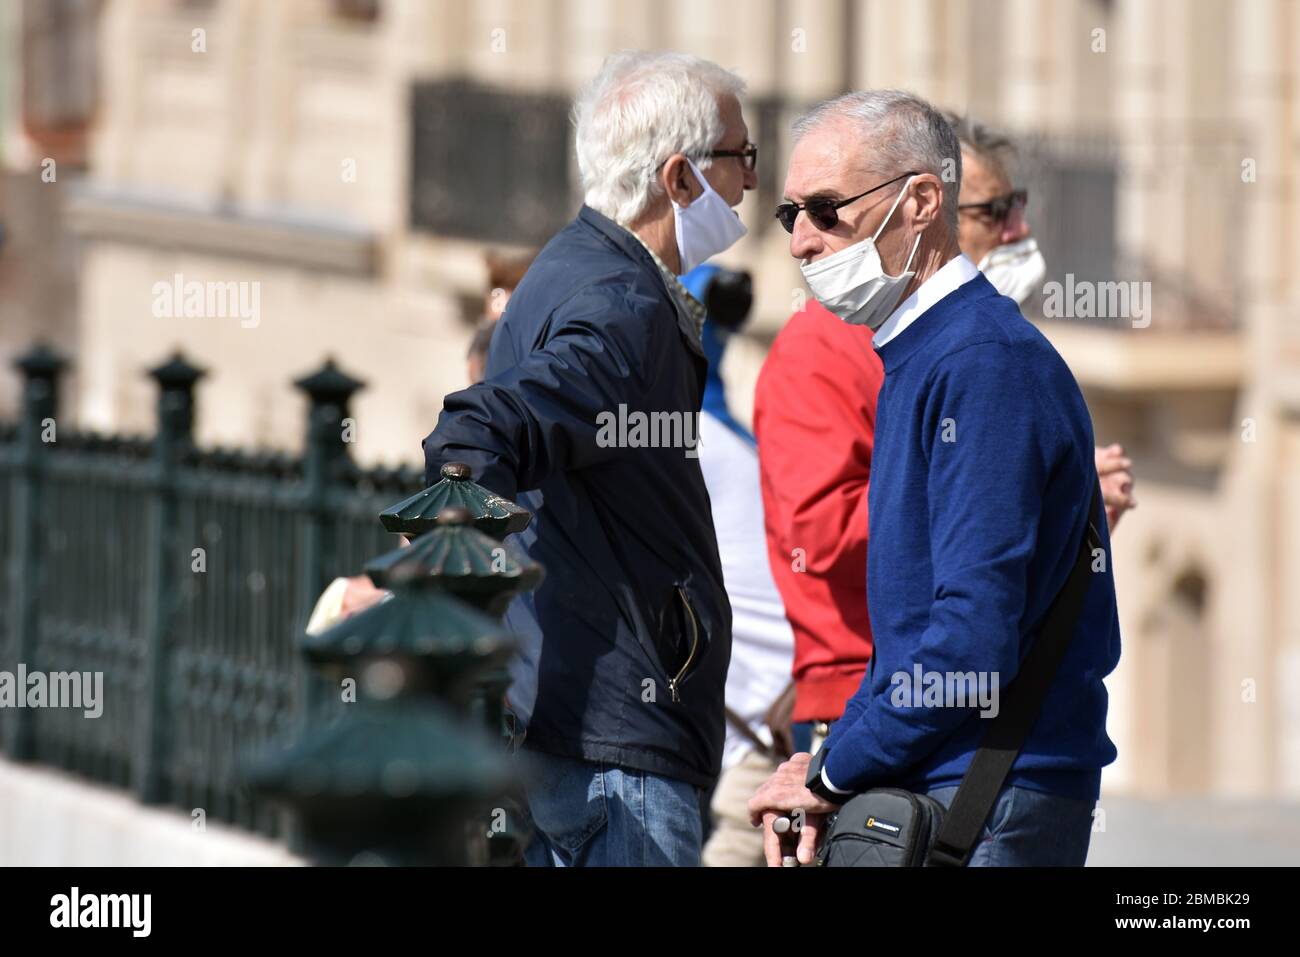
point(184, 575)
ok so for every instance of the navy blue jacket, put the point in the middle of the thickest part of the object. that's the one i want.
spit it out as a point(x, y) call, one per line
point(631, 629)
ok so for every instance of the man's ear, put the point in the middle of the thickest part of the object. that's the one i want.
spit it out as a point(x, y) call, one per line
point(929, 200)
point(678, 181)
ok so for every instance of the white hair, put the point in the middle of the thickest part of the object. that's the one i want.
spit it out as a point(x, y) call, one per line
point(638, 111)
point(900, 132)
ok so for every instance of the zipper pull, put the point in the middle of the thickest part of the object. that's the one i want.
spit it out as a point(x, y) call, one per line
point(672, 690)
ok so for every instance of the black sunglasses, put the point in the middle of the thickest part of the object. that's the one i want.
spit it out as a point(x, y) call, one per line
point(999, 207)
point(748, 155)
point(823, 212)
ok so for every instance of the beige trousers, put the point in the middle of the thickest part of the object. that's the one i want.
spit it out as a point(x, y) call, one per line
point(734, 841)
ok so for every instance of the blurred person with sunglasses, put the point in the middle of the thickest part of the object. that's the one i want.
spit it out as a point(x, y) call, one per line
point(956, 529)
point(994, 233)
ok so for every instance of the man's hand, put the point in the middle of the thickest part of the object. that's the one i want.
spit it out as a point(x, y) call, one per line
point(1116, 482)
point(784, 795)
point(361, 594)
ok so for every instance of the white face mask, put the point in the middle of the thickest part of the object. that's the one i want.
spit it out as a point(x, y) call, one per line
point(1016, 269)
point(853, 284)
point(706, 227)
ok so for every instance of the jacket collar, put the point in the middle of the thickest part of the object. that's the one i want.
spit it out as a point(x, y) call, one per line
point(631, 246)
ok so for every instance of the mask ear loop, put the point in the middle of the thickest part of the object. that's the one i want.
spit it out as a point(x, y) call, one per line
point(705, 188)
point(890, 215)
point(916, 245)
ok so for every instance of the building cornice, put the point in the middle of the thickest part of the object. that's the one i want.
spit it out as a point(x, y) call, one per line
point(105, 213)
point(1146, 361)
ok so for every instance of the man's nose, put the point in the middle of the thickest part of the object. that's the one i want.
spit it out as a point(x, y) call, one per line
point(1015, 227)
point(751, 178)
point(806, 240)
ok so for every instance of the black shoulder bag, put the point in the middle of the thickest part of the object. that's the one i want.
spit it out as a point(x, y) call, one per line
point(892, 827)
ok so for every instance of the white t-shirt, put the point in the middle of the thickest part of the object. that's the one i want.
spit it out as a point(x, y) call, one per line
point(762, 644)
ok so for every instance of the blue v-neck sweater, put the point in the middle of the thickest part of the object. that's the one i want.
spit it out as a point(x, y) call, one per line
point(981, 476)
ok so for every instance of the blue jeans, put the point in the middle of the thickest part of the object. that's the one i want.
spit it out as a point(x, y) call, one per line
point(1030, 829)
point(587, 814)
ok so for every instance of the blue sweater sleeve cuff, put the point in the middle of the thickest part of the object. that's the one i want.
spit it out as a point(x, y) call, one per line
point(826, 780)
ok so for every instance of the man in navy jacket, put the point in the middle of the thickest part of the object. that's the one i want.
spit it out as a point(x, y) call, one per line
point(588, 417)
point(982, 479)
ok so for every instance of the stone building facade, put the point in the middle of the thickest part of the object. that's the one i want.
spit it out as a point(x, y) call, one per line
point(323, 152)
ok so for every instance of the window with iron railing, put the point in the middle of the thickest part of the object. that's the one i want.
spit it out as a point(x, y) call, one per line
point(768, 119)
point(489, 164)
point(361, 10)
point(1073, 186)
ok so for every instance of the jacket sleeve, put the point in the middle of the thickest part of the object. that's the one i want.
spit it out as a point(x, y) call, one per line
point(543, 415)
point(814, 419)
point(990, 450)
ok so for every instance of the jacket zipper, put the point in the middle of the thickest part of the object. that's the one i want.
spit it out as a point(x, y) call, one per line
point(673, 683)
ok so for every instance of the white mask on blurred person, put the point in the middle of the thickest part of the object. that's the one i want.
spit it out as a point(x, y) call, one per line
point(853, 284)
point(706, 227)
point(1016, 269)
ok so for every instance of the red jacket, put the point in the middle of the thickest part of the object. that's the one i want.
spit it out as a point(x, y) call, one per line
point(814, 418)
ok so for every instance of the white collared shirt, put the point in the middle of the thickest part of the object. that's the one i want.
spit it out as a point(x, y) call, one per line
point(953, 274)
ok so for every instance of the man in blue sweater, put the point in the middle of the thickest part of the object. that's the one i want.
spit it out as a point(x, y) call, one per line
point(982, 479)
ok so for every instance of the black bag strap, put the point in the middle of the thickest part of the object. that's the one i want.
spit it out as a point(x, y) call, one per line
point(1022, 702)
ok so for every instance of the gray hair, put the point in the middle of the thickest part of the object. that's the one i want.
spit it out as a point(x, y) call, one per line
point(638, 111)
point(988, 145)
point(900, 132)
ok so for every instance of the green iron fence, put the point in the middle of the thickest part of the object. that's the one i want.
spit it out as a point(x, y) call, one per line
point(184, 575)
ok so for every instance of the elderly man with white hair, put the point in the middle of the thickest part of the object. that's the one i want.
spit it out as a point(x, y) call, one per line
point(587, 415)
point(983, 488)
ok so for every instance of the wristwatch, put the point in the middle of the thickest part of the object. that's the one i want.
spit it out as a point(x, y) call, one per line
point(817, 784)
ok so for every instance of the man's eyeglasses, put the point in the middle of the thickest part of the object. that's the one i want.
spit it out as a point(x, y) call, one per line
point(748, 155)
point(824, 212)
point(1000, 207)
